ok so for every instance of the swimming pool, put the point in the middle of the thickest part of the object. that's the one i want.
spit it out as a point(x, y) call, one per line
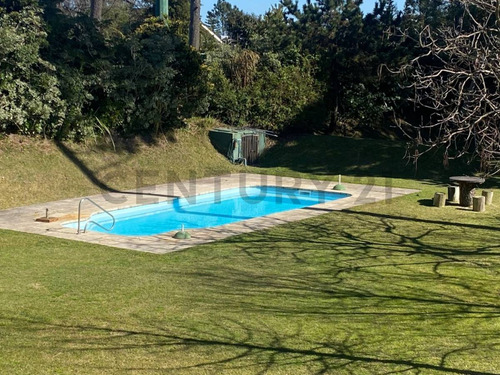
point(207, 210)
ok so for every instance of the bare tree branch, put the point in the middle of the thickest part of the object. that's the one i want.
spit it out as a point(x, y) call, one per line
point(457, 79)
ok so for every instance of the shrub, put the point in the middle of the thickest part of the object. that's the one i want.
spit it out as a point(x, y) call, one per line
point(30, 101)
point(247, 89)
point(280, 96)
point(158, 80)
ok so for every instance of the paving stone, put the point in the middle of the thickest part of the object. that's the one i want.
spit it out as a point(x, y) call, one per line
point(22, 218)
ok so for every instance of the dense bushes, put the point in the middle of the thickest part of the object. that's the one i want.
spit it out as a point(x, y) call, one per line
point(158, 80)
point(30, 100)
point(66, 76)
point(247, 89)
point(324, 68)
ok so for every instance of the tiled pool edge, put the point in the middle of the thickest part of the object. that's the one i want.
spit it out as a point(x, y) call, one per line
point(23, 218)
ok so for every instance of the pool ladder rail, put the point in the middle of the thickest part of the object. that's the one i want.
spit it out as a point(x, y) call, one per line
point(92, 221)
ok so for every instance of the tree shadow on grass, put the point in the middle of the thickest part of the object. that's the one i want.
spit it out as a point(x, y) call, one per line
point(332, 155)
point(364, 245)
point(91, 175)
point(378, 294)
point(417, 220)
point(362, 270)
point(229, 344)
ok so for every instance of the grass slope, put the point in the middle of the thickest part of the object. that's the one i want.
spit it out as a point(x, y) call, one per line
point(391, 287)
point(34, 171)
point(367, 161)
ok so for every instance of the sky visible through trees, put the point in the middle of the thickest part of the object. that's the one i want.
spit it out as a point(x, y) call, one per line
point(261, 6)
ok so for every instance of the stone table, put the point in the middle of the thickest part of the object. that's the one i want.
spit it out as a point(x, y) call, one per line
point(468, 186)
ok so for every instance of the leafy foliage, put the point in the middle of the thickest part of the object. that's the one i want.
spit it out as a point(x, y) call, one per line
point(124, 75)
point(230, 22)
point(82, 59)
point(259, 91)
point(157, 80)
point(30, 101)
point(349, 50)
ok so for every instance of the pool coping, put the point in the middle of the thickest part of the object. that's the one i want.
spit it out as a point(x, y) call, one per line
point(23, 218)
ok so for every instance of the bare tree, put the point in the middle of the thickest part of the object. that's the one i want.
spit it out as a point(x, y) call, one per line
point(194, 25)
point(457, 80)
point(96, 9)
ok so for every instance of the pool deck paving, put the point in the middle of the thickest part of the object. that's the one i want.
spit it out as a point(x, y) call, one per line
point(23, 218)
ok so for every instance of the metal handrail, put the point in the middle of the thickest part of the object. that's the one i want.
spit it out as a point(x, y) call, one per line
point(91, 221)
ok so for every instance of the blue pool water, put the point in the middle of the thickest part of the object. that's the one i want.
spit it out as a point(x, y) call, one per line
point(207, 210)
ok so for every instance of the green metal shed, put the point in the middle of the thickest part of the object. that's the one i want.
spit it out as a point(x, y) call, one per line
point(239, 145)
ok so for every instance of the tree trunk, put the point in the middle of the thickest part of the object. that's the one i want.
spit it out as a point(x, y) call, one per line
point(96, 9)
point(333, 98)
point(333, 125)
point(194, 25)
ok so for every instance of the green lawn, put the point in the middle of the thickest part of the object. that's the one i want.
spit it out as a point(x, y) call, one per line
point(392, 287)
point(366, 161)
point(36, 171)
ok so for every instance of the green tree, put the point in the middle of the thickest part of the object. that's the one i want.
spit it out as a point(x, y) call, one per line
point(30, 100)
point(350, 49)
point(230, 22)
point(83, 60)
point(157, 81)
point(332, 31)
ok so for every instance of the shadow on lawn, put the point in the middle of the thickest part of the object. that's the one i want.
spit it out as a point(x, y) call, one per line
point(426, 221)
point(362, 276)
point(356, 231)
point(350, 291)
point(426, 202)
point(242, 352)
point(357, 157)
point(372, 247)
point(351, 274)
point(394, 295)
point(91, 175)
